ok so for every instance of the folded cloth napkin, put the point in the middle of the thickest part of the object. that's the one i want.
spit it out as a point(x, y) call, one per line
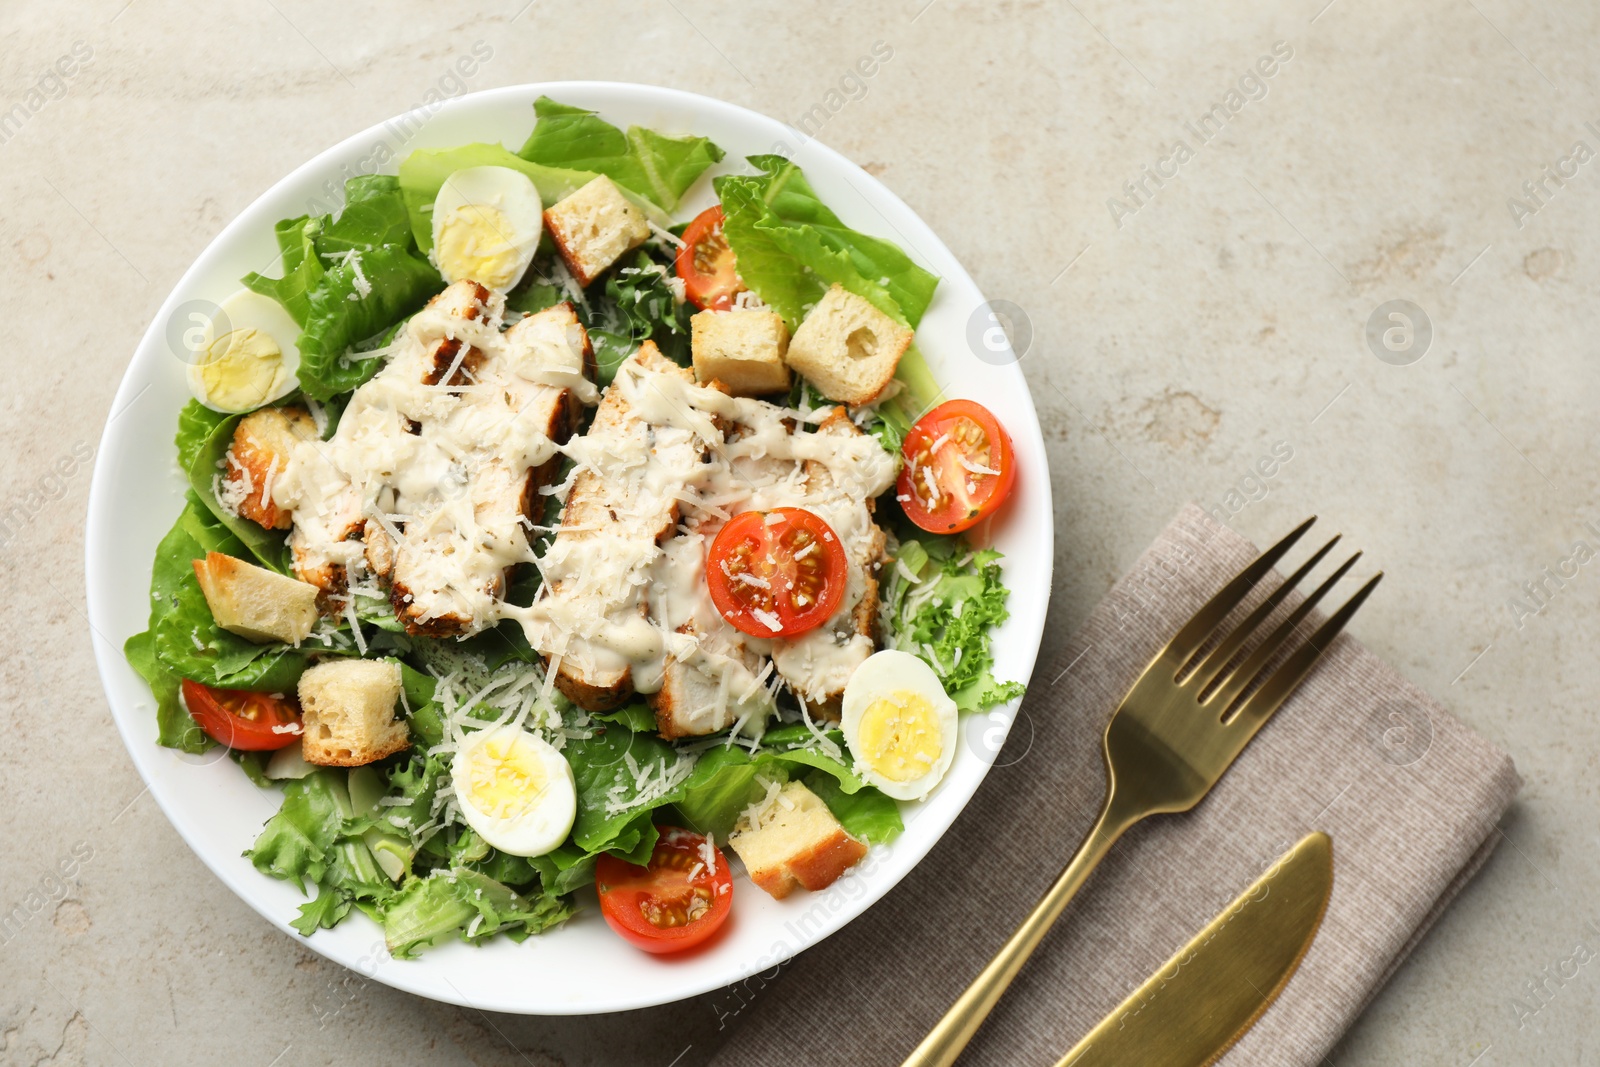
point(1410, 796)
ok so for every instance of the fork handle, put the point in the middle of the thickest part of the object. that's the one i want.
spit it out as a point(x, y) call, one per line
point(946, 1040)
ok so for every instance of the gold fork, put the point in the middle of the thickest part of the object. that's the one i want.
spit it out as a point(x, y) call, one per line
point(1168, 742)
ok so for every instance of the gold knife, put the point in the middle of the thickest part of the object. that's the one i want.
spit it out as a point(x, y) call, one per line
point(1204, 998)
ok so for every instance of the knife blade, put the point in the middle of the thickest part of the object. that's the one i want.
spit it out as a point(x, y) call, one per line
point(1213, 990)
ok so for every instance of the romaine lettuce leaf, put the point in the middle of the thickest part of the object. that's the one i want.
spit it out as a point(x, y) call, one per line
point(651, 164)
point(195, 423)
point(174, 727)
point(356, 301)
point(791, 247)
point(302, 268)
point(315, 838)
point(347, 279)
point(638, 306)
point(374, 214)
point(186, 640)
point(296, 843)
point(268, 547)
point(923, 618)
point(866, 813)
point(462, 903)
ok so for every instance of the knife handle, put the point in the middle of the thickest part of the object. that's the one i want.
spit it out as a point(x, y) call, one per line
point(946, 1040)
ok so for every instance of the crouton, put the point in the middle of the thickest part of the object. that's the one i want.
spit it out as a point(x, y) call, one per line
point(594, 227)
point(847, 348)
point(257, 604)
point(741, 349)
point(263, 444)
point(797, 842)
point(348, 710)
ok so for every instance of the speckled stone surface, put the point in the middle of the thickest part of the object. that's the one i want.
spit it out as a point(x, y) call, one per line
point(1211, 317)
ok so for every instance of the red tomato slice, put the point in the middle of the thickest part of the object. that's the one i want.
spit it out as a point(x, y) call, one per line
point(706, 265)
point(776, 573)
point(673, 904)
point(241, 719)
point(959, 466)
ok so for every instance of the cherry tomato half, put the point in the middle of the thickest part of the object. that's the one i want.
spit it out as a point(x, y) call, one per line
point(959, 466)
point(673, 904)
point(776, 573)
point(706, 265)
point(241, 719)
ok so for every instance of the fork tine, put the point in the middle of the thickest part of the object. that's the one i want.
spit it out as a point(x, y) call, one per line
point(1194, 633)
point(1239, 679)
point(1212, 665)
point(1270, 697)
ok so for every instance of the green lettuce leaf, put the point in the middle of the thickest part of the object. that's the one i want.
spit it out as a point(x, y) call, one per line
point(195, 424)
point(423, 174)
point(174, 727)
point(866, 813)
point(185, 639)
point(316, 838)
point(268, 547)
point(603, 767)
point(346, 280)
point(356, 301)
point(374, 215)
point(296, 844)
point(791, 247)
point(462, 903)
point(302, 269)
point(638, 306)
point(651, 164)
point(923, 619)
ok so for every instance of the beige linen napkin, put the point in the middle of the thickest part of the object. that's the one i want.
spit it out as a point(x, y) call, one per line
point(1410, 796)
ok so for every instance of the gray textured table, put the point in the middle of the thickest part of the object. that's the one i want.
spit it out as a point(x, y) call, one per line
point(1197, 317)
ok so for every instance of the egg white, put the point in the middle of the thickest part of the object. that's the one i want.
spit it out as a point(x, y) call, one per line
point(887, 675)
point(530, 825)
point(486, 226)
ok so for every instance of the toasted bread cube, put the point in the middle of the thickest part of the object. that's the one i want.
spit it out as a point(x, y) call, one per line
point(255, 603)
point(798, 843)
point(263, 444)
point(847, 348)
point(348, 710)
point(741, 349)
point(593, 227)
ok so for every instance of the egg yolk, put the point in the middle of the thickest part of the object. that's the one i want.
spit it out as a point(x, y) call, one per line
point(899, 736)
point(242, 368)
point(504, 777)
point(474, 241)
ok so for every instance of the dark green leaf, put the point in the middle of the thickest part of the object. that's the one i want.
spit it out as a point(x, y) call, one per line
point(866, 813)
point(207, 465)
point(351, 306)
point(174, 727)
point(186, 640)
point(791, 247)
point(195, 423)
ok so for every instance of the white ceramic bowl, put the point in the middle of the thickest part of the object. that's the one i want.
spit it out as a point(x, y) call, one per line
point(582, 967)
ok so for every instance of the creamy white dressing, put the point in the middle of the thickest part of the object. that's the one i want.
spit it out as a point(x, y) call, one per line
point(625, 598)
point(439, 469)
